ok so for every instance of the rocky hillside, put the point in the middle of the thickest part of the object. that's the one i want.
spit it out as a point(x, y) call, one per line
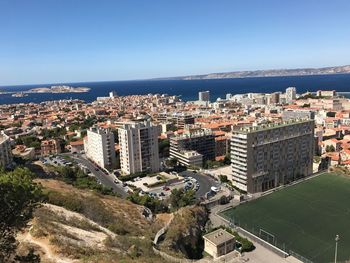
point(82, 226)
point(184, 236)
point(270, 73)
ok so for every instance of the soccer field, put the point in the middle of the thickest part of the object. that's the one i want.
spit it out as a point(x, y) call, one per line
point(304, 218)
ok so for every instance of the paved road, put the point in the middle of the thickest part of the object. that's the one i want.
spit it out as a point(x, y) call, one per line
point(205, 182)
point(106, 180)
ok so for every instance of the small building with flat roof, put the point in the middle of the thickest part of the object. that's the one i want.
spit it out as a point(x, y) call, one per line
point(219, 243)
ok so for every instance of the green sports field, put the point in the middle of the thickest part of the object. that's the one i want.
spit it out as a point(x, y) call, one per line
point(303, 218)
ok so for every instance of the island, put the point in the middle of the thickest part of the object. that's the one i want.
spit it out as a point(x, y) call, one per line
point(59, 89)
point(52, 89)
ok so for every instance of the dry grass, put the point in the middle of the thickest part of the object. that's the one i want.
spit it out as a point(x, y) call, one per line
point(95, 228)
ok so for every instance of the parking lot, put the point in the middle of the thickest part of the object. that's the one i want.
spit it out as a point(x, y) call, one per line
point(156, 186)
point(56, 161)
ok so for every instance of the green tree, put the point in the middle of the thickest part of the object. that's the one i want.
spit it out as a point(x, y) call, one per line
point(19, 195)
point(330, 148)
point(180, 198)
point(164, 146)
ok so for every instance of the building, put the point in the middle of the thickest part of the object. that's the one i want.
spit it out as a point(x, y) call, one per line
point(190, 158)
point(5, 151)
point(112, 94)
point(326, 93)
point(76, 146)
point(267, 156)
point(99, 147)
point(204, 96)
point(27, 153)
point(139, 147)
point(201, 141)
point(298, 114)
point(275, 98)
point(219, 243)
point(182, 120)
point(291, 94)
point(52, 146)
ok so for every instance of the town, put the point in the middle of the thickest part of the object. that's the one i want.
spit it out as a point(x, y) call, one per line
point(151, 147)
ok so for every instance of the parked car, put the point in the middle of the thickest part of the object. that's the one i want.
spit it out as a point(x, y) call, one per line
point(215, 189)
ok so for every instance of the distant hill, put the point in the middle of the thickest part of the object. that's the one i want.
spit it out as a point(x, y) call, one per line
point(268, 73)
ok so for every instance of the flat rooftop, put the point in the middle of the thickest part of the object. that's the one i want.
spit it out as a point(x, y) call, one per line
point(219, 236)
point(263, 127)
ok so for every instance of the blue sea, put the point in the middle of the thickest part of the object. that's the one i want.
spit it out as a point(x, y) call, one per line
point(188, 89)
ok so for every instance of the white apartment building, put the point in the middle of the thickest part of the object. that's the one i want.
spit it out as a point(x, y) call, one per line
point(204, 96)
point(99, 147)
point(139, 147)
point(5, 150)
point(291, 94)
point(267, 156)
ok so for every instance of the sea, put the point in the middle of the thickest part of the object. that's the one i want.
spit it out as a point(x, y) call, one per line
point(187, 89)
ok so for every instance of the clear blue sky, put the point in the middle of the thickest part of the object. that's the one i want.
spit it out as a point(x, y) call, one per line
point(51, 41)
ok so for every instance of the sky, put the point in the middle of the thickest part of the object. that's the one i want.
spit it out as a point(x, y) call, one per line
point(58, 41)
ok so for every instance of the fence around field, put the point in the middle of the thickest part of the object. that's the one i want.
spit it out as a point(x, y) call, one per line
point(268, 240)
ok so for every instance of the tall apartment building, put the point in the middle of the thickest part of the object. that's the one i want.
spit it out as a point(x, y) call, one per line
point(139, 147)
point(202, 141)
point(275, 98)
point(291, 94)
point(204, 96)
point(5, 150)
point(99, 147)
point(265, 157)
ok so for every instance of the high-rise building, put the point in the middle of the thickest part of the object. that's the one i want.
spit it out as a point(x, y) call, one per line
point(202, 141)
point(99, 147)
point(265, 157)
point(291, 94)
point(5, 151)
point(275, 98)
point(204, 96)
point(139, 147)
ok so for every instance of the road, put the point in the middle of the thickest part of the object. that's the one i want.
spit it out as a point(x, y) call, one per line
point(106, 180)
point(205, 182)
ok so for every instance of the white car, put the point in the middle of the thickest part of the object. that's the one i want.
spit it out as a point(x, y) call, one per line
point(215, 189)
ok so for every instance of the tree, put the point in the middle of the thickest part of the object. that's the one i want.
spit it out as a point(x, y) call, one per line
point(164, 148)
point(19, 195)
point(223, 178)
point(180, 198)
point(227, 159)
point(330, 148)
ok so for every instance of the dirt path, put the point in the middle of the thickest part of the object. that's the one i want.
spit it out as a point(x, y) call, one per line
point(49, 253)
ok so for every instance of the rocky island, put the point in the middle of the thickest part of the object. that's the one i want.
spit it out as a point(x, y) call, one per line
point(59, 89)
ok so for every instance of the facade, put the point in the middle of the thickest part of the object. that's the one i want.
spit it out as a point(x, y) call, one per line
point(275, 98)
point(49, 147)
point(190, 158)
point(297, 114)
point(222, 146)
point(266, 157)
point(182, 120)
point(99, 147)
point(291, 94)
point(204, 96)
point(219, 243)
point(201, 141)
point(5, 151)
point(326, 93)
point(139, 147)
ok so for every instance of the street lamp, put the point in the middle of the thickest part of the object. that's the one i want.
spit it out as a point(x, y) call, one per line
point(336, 248)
